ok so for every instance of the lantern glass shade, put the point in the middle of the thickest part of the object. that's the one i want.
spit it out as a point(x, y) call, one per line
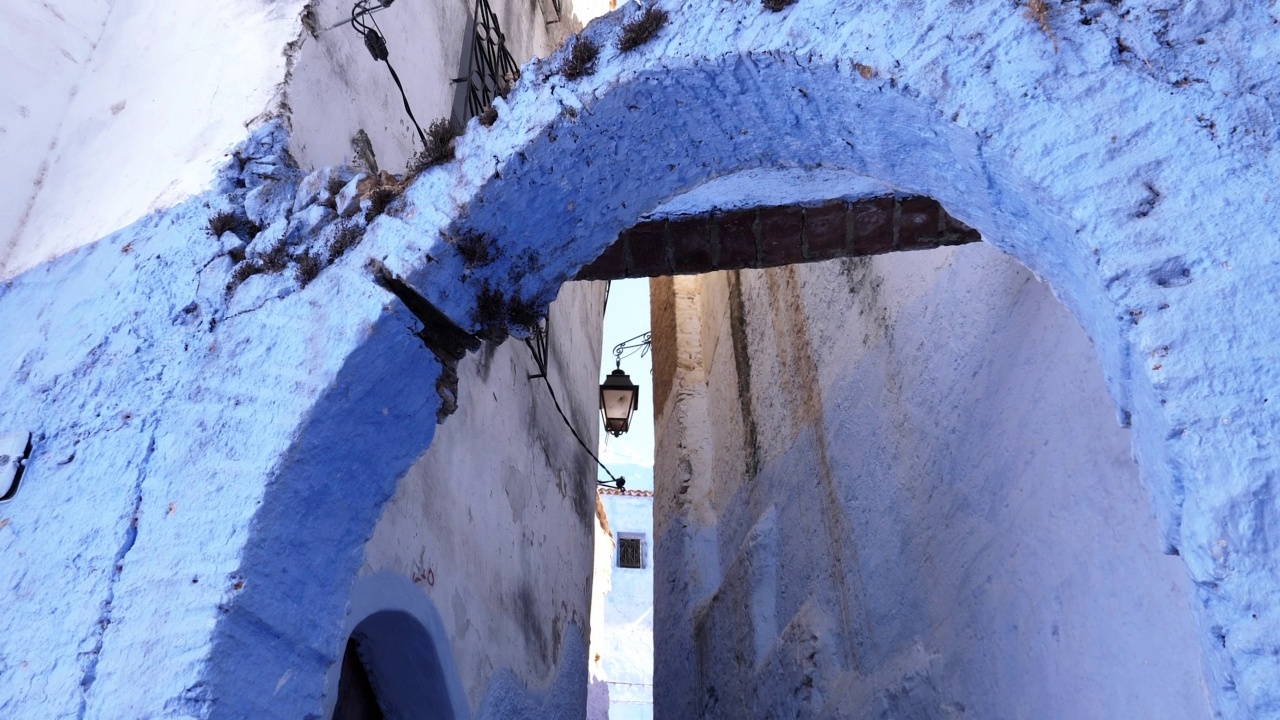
point(619, 398)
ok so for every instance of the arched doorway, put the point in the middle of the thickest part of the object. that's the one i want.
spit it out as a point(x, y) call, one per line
point(391, 668)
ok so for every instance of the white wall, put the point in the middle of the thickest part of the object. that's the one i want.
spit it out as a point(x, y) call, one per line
point(45, 50)
point(136, 114)
point(197, 508)
point(897, 485)
point(494, 523)
point(110, 110)
point(160, 404)
point(622, 612)
point(337, 89)
point(144, 400)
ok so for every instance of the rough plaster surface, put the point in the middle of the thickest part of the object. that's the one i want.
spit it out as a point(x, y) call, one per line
point(1127, 160)
point(143, 101)
point(919, 500)
point(1090, 165)
point(336, 87)
point(224, 450)
point(156, 436)
point(133, 104)
point(494, 522)
point(186, 435)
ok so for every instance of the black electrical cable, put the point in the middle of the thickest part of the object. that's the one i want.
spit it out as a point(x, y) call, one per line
point(618, 482)
point(421, 135)
point(376, 44)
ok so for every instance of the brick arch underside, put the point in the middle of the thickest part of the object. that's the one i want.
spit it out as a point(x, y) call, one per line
point(778, 235)
point(576, 201)
point(564, 171)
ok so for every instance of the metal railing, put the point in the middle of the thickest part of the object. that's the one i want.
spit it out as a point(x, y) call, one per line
point(492, 70)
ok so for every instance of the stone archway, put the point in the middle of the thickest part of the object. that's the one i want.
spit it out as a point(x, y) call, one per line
point(1160, 260)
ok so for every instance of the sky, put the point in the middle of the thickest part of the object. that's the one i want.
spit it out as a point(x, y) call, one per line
point(626, 316)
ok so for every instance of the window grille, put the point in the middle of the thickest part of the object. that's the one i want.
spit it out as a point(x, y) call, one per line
point(630, 553)
point(490, 68)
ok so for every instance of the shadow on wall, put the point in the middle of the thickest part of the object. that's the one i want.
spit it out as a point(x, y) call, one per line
point(597, 699)
point(304, 548)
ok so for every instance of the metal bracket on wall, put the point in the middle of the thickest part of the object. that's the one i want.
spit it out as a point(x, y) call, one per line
point(448, 342)
point(15, 448)
point(537, 342)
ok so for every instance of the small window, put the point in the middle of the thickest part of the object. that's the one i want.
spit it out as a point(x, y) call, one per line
point(630, 552)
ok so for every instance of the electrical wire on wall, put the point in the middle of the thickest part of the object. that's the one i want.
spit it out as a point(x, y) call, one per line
point(363, 22)
point(537, 344)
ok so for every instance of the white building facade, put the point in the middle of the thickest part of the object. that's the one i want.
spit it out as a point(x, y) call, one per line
point(621, 685)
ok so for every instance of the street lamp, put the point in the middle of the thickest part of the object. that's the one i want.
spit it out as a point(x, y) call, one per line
point(619, 398)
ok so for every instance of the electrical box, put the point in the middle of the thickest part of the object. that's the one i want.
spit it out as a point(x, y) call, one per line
point(15, 448)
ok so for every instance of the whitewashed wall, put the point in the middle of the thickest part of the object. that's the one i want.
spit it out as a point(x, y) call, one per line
point(897, 485)
point(1123, 153)
point(112, 110)
point(137, 114)
point(202, 489)
point(45, 52)
point(1098, 151)
point(336, 88)
point(493, 525)
point(163, 407)
point(622, 613)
